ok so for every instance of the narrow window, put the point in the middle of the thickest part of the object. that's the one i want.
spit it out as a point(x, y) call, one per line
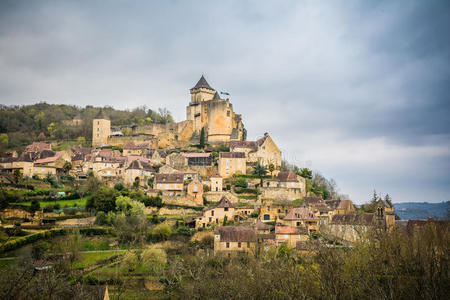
point(228, 245)
point(239, 244)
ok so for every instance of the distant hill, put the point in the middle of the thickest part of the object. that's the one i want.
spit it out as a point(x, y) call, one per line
point(422, 210)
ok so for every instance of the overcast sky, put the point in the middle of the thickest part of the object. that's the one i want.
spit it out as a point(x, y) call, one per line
point(358, 90)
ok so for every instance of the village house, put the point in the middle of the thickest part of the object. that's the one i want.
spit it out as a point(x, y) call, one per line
point(231, 163)
point(132, 149)
point(290, 235)
point(302, 217)
point(157, 157)
point(341, 206)
point(138, 172)
point(235, 240)
point(262, 228)
point(353, 227)
point(50, 165)
point(319, 207)
point(263, 150)
point(285, 186)
point(195, 191)
point(215, 215)
point(216, 182)
point(273, 210)
point(171, 185)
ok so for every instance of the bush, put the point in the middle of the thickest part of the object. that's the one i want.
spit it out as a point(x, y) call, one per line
point(161, 232)
point(56, 206)
point(153, 201)
point(154, 259)
point(184, 230)
point(96, 231)
point(254, 214)
point(130, 261)
point(240, 182)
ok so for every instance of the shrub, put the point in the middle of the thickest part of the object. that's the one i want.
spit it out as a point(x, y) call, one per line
point(154, 259)
point(57, 206)
point(130, 261)
point(22, 241)
point(240, 182)
point(184, 230)
point(254, 214)
point(161, 232)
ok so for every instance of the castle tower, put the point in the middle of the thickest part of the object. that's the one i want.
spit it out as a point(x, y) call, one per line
point(101, 129)
point(196, 112)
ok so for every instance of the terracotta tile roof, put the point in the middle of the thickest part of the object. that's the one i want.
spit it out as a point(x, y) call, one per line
point(244, 144)
point(354, 219)
point(290, 230)
point(287, 176)
point(232, 154)
point(194, 154)
point(259, 225)
point(313, 200)
point(169, 178)
point(132, 158)
point(236, 234)
point(37, 147)
point(300, 213)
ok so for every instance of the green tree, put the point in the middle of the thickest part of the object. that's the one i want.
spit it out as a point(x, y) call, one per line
point(67, 167)
point(305, 173)
point(17, 175)
point(103, 199)
point(154, 259)
point(388, 200)
point(202, 138)
point(39, 249)
point(261, 171)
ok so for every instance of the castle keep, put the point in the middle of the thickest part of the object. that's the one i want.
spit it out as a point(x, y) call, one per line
point(206, 111)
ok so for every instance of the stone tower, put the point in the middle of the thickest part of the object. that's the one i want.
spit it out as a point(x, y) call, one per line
point(101, 129)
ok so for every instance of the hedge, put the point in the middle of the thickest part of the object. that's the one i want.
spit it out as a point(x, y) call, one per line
point(199, 208)
point(25, 240)
point(251, 176)
point(28, 239)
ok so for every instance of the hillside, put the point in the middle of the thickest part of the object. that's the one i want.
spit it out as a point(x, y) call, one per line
point(24, 123)
point(422, 210)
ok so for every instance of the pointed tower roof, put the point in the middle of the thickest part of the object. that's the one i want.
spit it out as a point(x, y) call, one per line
point(202, 83)
point(101, 115)
point(216, 96)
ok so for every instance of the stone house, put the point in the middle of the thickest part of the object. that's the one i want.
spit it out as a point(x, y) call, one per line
point(231, 163)
point(171, 185)
point(272, 211)
point(353, 227)
point(302, 217)
point(138, 172)
point(285, 186)
point(195, 191)
point(215, 215)
point(341, 206)
point(290, 235)
point(105, 167)
point(262, 228)
point(156, 156)
point(263, 150)
point(132, 149)
point(216, 182)
point(235, 240)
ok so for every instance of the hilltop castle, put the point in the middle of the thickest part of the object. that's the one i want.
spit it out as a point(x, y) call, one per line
point(206, 111)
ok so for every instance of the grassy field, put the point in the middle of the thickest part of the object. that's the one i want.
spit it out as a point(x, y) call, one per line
point(63, 203)
point(91, 258)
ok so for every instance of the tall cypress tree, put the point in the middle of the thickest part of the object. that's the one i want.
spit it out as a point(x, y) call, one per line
point(202, 138)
